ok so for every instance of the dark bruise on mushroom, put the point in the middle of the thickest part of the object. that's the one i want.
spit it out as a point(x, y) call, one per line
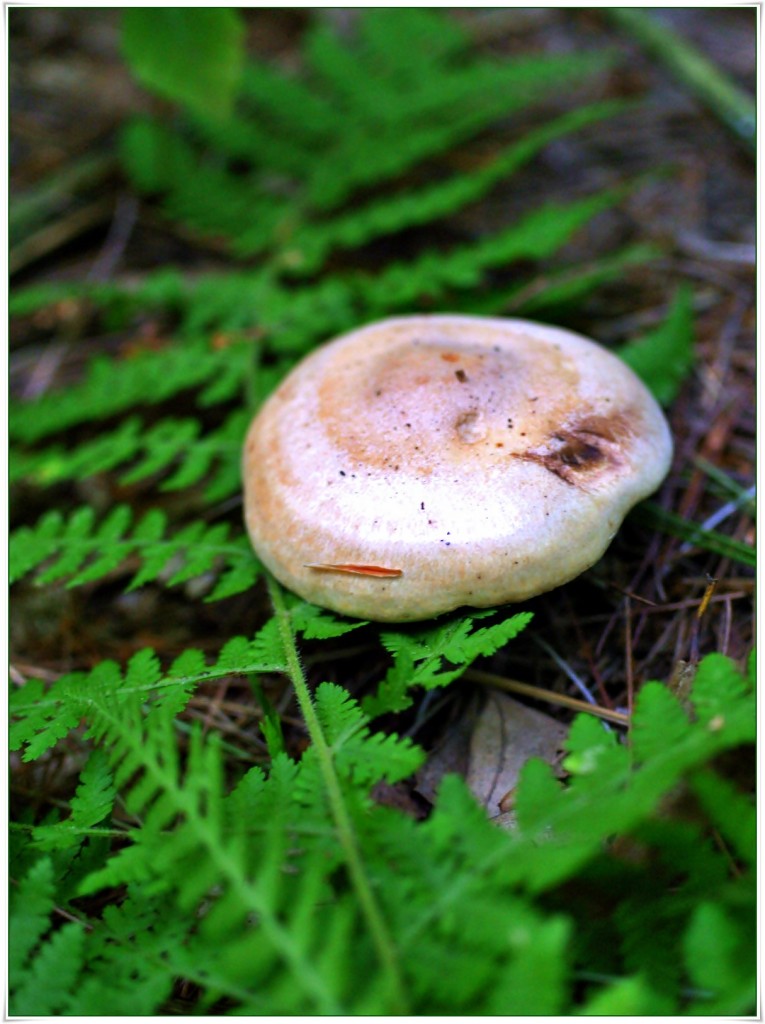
point(526, 443)
point(578, 454)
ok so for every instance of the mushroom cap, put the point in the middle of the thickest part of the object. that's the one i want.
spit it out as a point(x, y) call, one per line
point(422, 463)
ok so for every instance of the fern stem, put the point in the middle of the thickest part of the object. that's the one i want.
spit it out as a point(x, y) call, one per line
point(229, 867)
point(381, 937)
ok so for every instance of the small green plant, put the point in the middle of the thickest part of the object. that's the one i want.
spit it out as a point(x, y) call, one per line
point(289, 891)
point(285, 887)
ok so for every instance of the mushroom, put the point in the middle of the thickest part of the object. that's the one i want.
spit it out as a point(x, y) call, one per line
point(423, 463)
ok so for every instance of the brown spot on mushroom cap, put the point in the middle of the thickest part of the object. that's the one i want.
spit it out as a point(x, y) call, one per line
point(584, 451)
point(368, 428)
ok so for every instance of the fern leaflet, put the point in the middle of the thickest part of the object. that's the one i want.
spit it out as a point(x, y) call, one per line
point(436, 656)
point(84, 552)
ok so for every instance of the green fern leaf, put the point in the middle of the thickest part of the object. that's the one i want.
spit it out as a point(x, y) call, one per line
point(538, 235)
point(278, 99)
point(536, 980)
point(86, 553)
point(316, 623)
point(111, 388)
point(310, 245)
point(237, 579)
point(189, 55)
point(99, 455)
point(51, 976)
point(626, 997)
point(660, 724)
point(733, 813)
point(132, 958)
point(43, 719)
point(340, 716)
point(560, 288)
point(721, 959)
point(358, 755)
point(474, 96)
point(718, 692)
point(91, 805)
point(197, 855)
point(264, 653)
point(32, 547)
point(165, 442)
point(664, 358)
point(537, 797)
point(427, 32)
point(30, 908)
point(171, 444)
point(606, 794)
point(421, 657)
point(153, 156)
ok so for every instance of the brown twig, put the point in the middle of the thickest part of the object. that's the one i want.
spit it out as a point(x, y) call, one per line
point(538, 693)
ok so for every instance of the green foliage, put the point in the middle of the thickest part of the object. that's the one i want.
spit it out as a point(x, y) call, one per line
point(170, 446)
point(79, 551)
point(664, 358)
point(245, 891)
point(271, 179)
point(44, 716)
point(109, 389)
point(192, 55)
point(437, 655)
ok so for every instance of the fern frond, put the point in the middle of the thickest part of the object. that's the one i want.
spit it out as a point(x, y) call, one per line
point(110, 388)
point(427, 32)
point(275, 98)
point(537, 235)
point(147, 768)
point(447, 106)
point(291, 318)
point(316, 623)
point(99, 455)
point(664, 357)
point(733, 813)
point(201, 852)
point(720, 958)
point(234, 208)
point(30, 906)
point(624, 792)
point(41, 717)
point(91, 804)
point(85, 552)
point(132, 959)
point(358, 755)
point(44, 988)
point(562, 287)
point(657, 703)
point(171, 446)
point(309, 245)
point(373, 120)
point(437, 655)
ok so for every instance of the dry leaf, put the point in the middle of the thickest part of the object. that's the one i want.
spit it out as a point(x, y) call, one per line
point(451, 754)
point(505, 736)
